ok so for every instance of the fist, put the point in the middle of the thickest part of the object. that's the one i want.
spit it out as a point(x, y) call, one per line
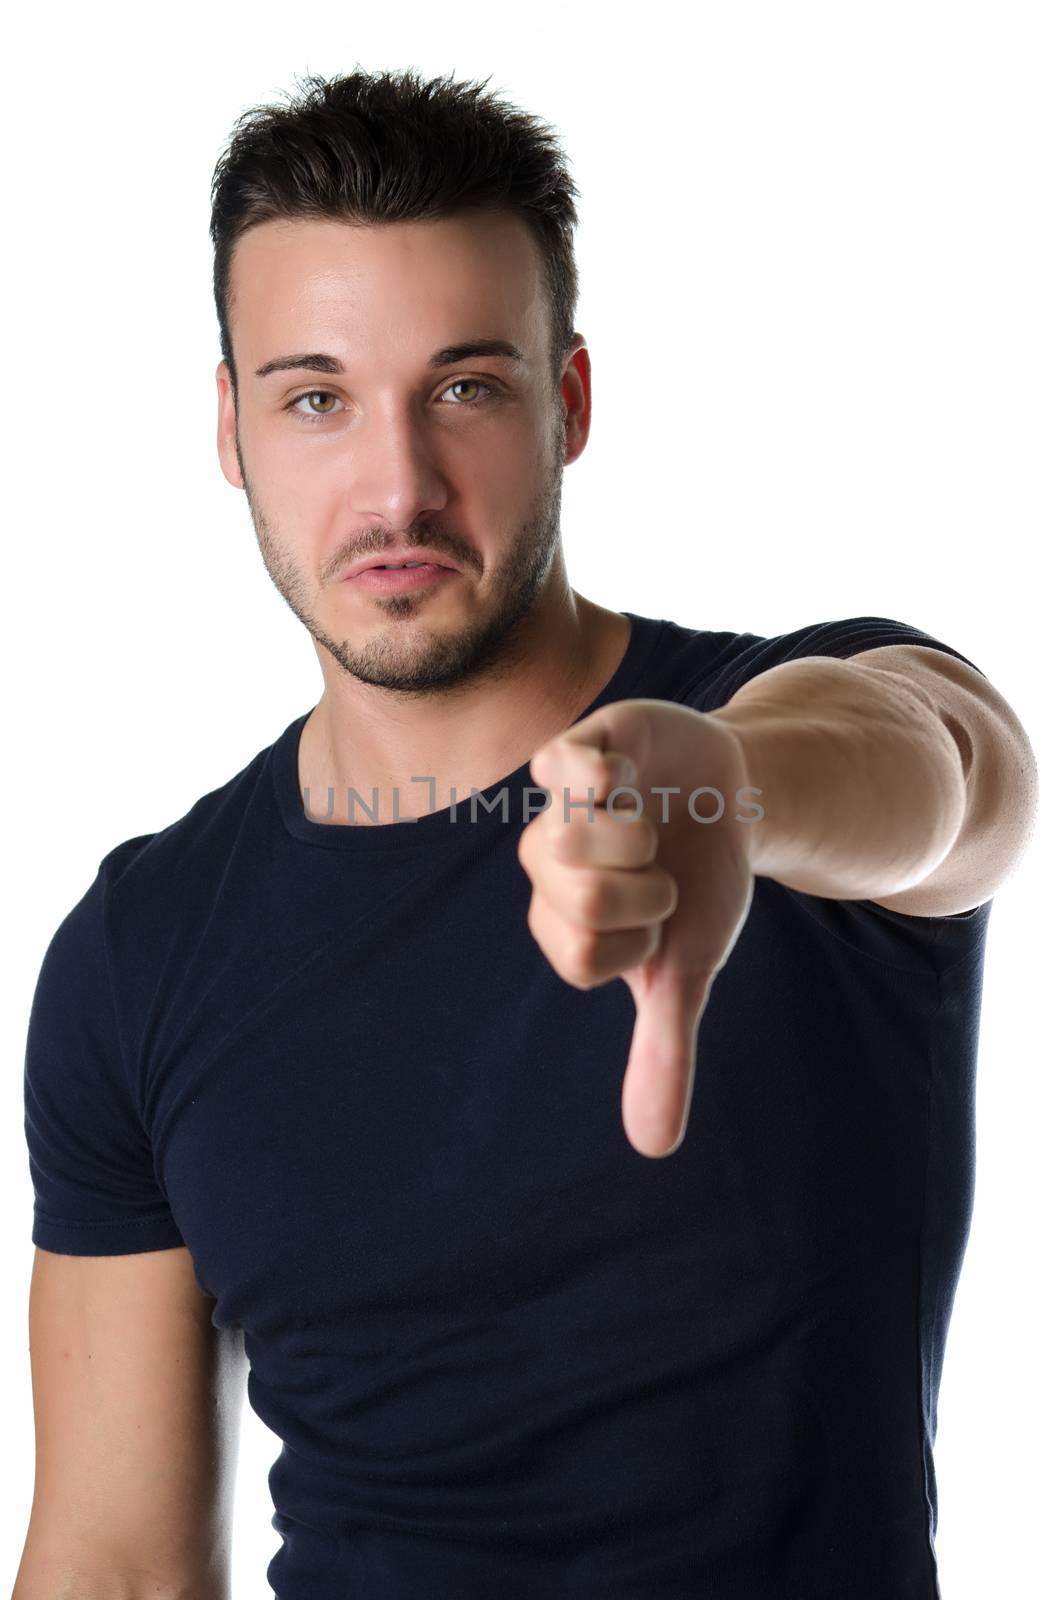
point(647, 887)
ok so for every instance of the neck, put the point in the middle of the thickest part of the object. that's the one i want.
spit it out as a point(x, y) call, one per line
point(376, 741)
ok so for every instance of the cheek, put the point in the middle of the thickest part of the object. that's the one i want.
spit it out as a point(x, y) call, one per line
point(524, 457)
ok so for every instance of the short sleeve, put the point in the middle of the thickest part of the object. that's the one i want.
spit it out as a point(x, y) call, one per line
point(747, 655)
point(896, 937)
point(90, 1159)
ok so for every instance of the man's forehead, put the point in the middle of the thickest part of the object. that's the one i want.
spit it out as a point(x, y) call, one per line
point(476, 244)
point(452, 269)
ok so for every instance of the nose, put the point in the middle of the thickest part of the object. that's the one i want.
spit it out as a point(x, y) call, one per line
point(392, 468)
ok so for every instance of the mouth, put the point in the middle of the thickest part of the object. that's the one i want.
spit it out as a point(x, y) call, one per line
point(386, 579)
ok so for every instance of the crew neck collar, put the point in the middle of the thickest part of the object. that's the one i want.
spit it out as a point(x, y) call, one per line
point(468, 816)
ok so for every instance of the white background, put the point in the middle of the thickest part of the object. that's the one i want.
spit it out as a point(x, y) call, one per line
point(819, 257)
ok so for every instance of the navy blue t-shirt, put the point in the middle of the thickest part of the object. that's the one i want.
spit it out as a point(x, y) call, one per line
point(506, 1354)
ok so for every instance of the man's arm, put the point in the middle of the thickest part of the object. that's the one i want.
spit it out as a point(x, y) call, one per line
point(899, 775)
point(137, 1399)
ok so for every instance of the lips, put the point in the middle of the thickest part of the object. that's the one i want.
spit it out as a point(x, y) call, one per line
point(427, 557)
point(399, 580)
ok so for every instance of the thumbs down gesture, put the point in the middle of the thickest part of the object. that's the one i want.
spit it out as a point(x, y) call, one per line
point(641, 867)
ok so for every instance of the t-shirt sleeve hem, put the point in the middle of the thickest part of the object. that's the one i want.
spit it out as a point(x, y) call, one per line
point(126, 1237)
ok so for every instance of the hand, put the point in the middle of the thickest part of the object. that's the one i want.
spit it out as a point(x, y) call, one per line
point(659, 903)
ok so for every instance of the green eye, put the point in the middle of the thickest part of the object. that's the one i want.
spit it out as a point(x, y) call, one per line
point(491, 393)
point(316, 394)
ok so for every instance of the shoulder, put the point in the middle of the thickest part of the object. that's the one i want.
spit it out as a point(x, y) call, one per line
point(147, 881)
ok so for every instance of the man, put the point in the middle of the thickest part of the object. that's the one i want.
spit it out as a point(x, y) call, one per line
point(333, 1071)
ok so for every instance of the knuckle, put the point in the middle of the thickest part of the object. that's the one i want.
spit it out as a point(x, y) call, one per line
point(637, 836)
point(647, 838)
point(668, 892)
point(580, 960)
point(565, 845)
point(590, 898)
point(524, 848)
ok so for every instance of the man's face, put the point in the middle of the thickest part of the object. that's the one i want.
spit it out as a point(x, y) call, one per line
point(392, 454)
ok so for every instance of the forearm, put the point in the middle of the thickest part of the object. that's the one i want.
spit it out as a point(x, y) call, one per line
point(863, 787)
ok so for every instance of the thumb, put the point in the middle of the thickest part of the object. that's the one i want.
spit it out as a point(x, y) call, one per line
point(661, 1069)
point(614, 741)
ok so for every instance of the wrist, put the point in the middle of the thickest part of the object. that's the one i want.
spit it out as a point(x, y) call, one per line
point(732, 759)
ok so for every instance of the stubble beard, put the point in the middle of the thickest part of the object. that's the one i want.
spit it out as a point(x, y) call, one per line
point(416, 658)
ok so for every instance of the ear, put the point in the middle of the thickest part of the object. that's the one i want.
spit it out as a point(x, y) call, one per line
point(226, 427)
point(576, 389)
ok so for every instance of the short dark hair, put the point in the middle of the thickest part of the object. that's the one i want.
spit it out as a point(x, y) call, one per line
point(388, 147)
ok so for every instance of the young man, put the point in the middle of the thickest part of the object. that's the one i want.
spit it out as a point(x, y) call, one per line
point(330, 1076)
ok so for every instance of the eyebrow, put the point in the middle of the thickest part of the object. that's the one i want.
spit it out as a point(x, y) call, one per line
point(449, 355)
